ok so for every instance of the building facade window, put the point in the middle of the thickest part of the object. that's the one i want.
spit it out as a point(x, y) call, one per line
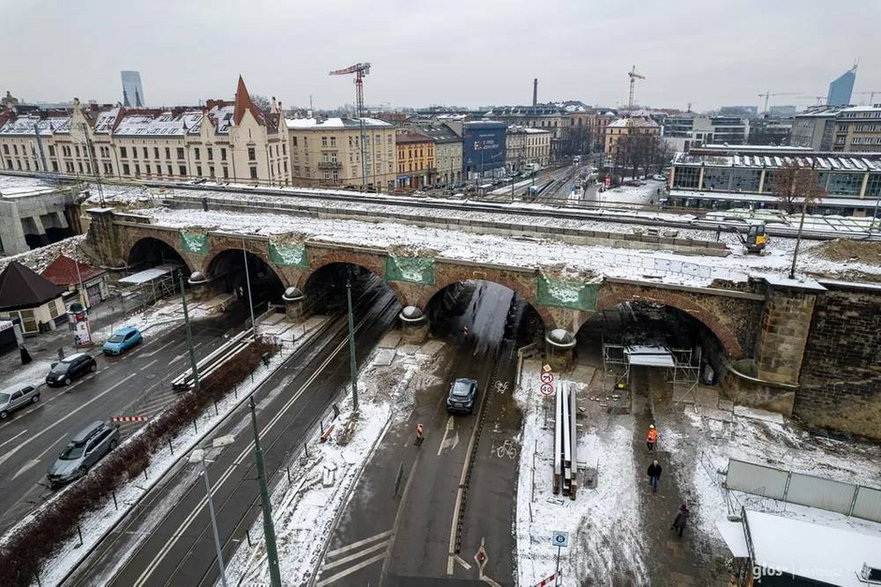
point(253, 173)
point(252, 154)
point(180, 154)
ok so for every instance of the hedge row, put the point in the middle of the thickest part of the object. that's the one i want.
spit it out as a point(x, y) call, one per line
point(25, 553)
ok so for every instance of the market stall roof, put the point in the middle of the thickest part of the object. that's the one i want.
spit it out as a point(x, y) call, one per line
point(147, 275)
point(732, 534)
point(649, 355)
point(21, 288)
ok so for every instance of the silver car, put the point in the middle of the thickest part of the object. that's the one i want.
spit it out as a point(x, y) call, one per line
point(82, 452)
point(19, 396)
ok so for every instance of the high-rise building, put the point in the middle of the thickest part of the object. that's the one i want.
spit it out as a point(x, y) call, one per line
point(132, 89)
point(841, 88)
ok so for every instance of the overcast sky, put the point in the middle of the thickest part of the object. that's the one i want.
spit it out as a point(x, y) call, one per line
point(463, 52)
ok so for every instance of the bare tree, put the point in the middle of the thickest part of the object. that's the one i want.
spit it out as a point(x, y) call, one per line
point(261, 102)
point(794, 184)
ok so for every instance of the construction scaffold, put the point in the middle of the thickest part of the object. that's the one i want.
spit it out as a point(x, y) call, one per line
point(682, 365)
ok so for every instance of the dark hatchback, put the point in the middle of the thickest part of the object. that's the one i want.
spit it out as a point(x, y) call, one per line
point(70, 368)
point(462, 396)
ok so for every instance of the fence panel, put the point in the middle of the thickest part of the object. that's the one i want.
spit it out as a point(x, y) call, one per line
point(868, 504)
point(817, 492)
point(756, 479)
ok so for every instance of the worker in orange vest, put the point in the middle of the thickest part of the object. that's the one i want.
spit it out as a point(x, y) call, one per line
point(651, 438)
point(420, 434)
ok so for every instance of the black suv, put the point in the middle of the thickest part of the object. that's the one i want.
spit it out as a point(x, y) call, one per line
point(70, 368)
point(462, 396)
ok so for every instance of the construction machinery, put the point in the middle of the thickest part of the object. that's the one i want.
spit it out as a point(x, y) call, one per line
point(359, 70)
point(633, 77)
point(767, 95)
point(756, 238)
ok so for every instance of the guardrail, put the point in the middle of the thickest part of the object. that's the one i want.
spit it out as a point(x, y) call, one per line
point(213, 361)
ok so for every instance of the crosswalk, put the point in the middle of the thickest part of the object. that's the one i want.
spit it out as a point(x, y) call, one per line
point(342, 562)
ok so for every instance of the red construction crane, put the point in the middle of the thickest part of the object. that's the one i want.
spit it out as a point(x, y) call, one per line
point(360, 70)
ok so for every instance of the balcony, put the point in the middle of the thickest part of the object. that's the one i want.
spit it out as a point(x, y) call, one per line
point(330, 165)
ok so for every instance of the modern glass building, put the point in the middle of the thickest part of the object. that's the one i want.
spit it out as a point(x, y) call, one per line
point(840, 90)
point(132, 89)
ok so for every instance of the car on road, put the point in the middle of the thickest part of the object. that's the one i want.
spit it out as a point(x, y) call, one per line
point(85, 449)
point(69, 368)
point(17, 397)
point(122, 340)
point(462, 396)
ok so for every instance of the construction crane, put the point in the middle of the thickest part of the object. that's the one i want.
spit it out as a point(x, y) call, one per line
point(767, 95)
point(870, 94)
point(633, 77)
point(360, 70)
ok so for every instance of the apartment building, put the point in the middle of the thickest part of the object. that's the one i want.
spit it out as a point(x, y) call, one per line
point(448, 152)
point(416, 159)
point(858, 129)
point(224, 140)
point(626, 127)
point(527, 147)
point(326, 152)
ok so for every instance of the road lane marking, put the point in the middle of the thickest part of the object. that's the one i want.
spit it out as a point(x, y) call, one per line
point(462, 562)
point(153, 352)
point(354, 545)
point(5, 442)
point(351, 570)
point(450, 425)
point(361, 553)
point(151, 363)
point(169, 544)
point(39, 457)
point(4, 458)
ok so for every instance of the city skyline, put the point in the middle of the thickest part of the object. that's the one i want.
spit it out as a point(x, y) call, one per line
point(458, 54)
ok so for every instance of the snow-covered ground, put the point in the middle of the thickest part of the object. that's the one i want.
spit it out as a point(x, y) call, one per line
point(306, 508)
point(100, 521)
point(700, 444)
point(40, 258)
point(625, 194)
point(603, 523)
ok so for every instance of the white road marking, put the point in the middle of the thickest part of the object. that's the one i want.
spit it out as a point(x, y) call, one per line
point(169, 544)
point(354, 545)
point(351, 570)
point(39, 457)
point(153, 362)
point(462, 562)
point(5, 442)
point(450, 425)
point(355, 556)
point(153, 352)
point(83, 406)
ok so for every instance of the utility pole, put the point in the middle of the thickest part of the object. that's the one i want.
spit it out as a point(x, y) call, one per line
point(192, 352)
point(268, 528)
point(217, 549)
point(801, 222)
point(248, 283)
point(352, 364)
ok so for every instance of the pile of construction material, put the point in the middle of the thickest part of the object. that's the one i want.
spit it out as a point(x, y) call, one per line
point(565, 441)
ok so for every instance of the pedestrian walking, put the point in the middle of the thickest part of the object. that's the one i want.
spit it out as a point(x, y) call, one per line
point(681, 519)
point(420, 434)
point(654, 473)
point(651, 438)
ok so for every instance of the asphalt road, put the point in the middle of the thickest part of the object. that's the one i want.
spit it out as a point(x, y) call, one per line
point(406, 537)
point(136, 383)
point(168, 540)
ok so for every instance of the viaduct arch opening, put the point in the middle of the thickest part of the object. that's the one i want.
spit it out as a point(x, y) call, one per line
point(149, 252)
point(227, 274)
point(325, 287)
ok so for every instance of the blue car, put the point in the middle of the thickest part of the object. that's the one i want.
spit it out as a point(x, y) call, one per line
point(122, 340)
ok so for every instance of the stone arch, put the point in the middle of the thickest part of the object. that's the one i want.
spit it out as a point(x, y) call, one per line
point(670, 298)
point(165, 239)
point(216, 252)
point(371, 263)
point(528, 295)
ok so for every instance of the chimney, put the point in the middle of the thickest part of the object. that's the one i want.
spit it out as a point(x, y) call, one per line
point(535, 92)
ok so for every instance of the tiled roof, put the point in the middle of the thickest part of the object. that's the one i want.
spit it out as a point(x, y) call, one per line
point(20, 288)
point(63, 271)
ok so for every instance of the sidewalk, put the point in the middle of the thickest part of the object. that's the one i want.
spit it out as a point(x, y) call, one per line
point(671, 560)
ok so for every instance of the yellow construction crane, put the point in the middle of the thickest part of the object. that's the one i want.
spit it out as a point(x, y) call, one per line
point(360, 70)
point(633, 77)
point(767, 95)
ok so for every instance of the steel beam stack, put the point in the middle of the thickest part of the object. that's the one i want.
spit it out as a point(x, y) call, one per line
point(565, 441)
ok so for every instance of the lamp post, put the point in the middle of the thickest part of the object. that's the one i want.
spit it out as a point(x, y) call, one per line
point(190, 349)
point(352, 363)
point(248, 283)
point(198, 456)
point(268, 526)
point(801, 222)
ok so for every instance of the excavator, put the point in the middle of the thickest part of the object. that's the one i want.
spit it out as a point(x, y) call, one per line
point(756, 238)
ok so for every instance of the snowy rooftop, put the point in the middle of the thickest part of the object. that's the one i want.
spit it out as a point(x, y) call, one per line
point(634, 121)
point(822, 161)
point(13, 185)
point(825, 553)
point(333, 123)
point(24, 125)
point(166, 124)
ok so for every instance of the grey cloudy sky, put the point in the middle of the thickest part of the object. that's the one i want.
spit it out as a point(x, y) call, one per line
point(465, 52)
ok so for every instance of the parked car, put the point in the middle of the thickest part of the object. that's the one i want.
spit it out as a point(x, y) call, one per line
point(122, 340)
point(462, 396)
point(84, 450)
point(69, 368)
point(17, 396)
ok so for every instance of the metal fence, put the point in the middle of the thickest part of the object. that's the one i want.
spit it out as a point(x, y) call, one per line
point(836, 496)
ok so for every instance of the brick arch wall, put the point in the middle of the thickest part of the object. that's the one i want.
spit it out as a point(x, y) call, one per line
point(710, 317)
point(172, 239)
point(523, 284)
point(373, 263)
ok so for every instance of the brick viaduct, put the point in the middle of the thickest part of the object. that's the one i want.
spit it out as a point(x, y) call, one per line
point(778, 346)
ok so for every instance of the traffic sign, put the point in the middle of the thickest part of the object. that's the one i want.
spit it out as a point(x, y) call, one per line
point(547, 368)
point(561, 539)
point(546, 388)
point(547, 377)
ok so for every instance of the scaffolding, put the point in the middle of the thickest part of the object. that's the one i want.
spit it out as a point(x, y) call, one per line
point(682, 365)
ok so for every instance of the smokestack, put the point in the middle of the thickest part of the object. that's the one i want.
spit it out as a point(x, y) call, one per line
point(535, 92)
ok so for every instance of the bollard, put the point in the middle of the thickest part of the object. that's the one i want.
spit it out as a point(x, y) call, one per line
point(306, 448)
point(235, 390)
point(248, 535)
point(79, 532)
point(288, 469)
point(145, 474)
point(215, 408)
point(321, 425)
point(195, 427)
point(170, 446)
point(115, 505)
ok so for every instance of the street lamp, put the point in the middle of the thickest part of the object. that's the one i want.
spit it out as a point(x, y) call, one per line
point(801, 222)
point(248, 283)
point(198, 457)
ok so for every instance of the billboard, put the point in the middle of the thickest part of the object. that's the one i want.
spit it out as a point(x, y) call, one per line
point(484, 146)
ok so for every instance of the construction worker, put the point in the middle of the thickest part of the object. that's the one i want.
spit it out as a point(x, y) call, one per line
point(465, 332)
point(420, 434)
point(651, 438)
